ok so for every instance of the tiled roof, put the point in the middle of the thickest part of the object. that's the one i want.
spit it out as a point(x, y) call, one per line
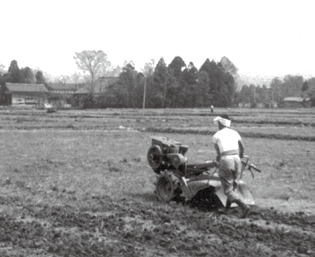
point(63, 87)
point(30, 88)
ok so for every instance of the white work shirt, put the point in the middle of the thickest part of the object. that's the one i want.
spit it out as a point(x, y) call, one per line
point(227, 139)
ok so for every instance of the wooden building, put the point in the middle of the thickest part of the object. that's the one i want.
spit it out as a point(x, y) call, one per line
point(60, 95)
point(100, 88)
point(17, 94)
point(66, 90)
point(297, 102)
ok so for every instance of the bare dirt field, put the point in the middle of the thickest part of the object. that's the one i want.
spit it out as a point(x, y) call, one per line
point(77, 183)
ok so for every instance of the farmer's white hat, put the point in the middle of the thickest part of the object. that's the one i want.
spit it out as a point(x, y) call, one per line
point(224, 120)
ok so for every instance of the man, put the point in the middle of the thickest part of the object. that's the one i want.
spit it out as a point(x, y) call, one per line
point(230, 149)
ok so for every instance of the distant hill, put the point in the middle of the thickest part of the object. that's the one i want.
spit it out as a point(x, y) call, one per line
point(248, 79)
point(245, 79)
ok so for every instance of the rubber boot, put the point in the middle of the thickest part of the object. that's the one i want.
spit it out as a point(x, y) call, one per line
point(227, 205)
point(245, 208)
point(225, 209)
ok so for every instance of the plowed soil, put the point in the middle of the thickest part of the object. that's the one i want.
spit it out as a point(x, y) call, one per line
point(131, 228)
point(70, 224)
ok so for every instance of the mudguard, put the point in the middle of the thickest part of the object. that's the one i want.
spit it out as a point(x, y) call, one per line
point(204, 181)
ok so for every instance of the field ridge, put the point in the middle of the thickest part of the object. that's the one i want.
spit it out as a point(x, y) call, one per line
point(211, 132)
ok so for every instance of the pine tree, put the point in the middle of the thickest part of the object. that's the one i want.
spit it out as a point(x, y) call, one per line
point(39, 77)
point(161, 78)
point(28, 76)
point(15, 75)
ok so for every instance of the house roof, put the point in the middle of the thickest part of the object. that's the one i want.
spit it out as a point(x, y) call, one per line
point(296, 99)
point(29, 88)
point(63, 87)
point(100, 85)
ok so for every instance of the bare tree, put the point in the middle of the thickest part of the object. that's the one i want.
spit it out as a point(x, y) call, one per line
point(91, 61)
point(76, 78)
point(107, 70)
point(2, 69)
point(147, 71)
point(114, 71)
point(63, 79)
point(148, 68)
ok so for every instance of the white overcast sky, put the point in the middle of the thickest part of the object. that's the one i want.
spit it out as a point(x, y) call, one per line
point(266, 38)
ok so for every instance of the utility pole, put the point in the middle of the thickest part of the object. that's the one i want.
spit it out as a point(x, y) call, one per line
point(144, 92)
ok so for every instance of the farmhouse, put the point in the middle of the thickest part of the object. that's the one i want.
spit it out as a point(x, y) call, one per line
point(25, 94)
point(297, 102)
point(63, 89)
point(60, 94)
point(98, 89)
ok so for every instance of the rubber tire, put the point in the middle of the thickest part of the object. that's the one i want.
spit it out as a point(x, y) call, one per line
point(154, 157)
point(166, 187)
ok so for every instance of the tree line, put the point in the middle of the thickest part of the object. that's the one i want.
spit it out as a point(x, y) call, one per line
point(23, 75)
point(289, 86)
point(179, 86)
point(176, 85)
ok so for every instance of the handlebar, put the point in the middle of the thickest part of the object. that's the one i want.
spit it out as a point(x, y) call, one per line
point(245, 161)
point(252, 166)
point(207, 165)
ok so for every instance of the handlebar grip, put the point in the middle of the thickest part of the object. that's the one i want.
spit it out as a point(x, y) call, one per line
point(254, 167)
